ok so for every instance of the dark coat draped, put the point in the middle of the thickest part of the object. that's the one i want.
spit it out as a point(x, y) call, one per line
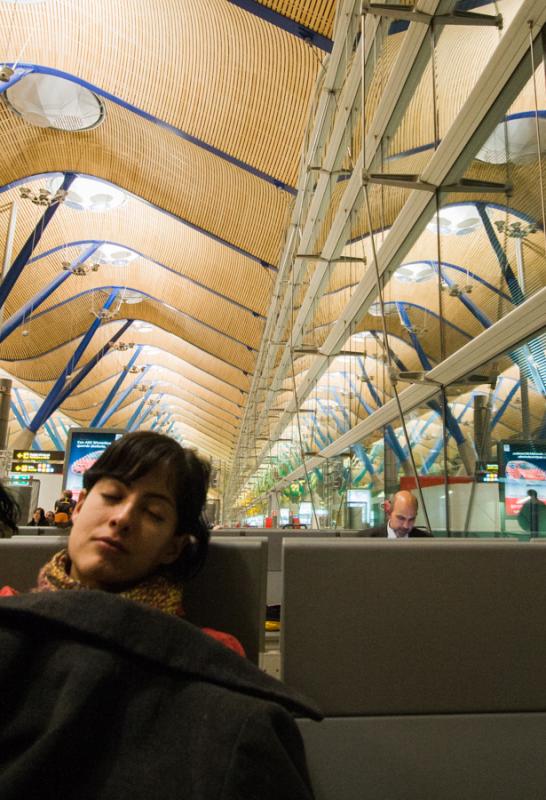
point(104, 699)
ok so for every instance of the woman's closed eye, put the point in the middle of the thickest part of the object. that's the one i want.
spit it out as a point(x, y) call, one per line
point(155, 513)
point(110, 497)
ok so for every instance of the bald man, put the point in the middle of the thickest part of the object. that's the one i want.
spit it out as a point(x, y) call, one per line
point(401, 512)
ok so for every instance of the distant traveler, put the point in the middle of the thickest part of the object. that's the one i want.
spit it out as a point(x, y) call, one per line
point(64, 507)
point(532, 515)
point(401, 512)
point(38, 518)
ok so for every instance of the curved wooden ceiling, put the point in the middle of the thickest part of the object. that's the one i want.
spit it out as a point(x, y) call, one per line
point(206, 106)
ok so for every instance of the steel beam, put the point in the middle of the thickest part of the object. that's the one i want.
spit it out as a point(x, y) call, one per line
point(96, 421)
point(21, 260)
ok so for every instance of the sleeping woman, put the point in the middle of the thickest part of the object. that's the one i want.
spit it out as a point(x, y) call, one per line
point(105, 689)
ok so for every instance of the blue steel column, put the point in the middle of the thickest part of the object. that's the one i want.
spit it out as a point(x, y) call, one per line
point(96, 421)
point(147, 412)
point(69, 388)
point(84, 371)
point(16, 319)
point(50, 404)
point(50, 430)
point(131, 425)
point(122, 397)
point(22, 259)
point(19, 417)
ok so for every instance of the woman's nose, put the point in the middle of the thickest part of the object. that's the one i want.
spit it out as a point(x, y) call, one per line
point(122, 515)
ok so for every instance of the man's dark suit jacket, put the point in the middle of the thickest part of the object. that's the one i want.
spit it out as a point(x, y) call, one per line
point(380, 531)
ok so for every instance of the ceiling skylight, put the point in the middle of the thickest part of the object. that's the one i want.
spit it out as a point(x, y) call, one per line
point(47, 101)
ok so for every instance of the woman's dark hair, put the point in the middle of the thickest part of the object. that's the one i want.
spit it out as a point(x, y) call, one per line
point(137, 454)
point(9, 512)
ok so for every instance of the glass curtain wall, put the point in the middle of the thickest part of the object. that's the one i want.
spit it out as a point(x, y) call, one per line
point(405, 345)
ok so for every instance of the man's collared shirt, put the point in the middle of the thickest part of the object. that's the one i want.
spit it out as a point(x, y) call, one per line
point(392, 535)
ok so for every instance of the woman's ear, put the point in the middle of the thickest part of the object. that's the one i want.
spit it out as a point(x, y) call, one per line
point(175, 548)
point(79, 504)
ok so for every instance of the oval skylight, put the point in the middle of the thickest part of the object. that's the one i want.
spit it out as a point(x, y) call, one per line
point(375, 309)
point(142, 326)
point(514, 140)
point(420, 272)
point(48, 101)
point(456, 220)
point(90, 194)
point(115, 255)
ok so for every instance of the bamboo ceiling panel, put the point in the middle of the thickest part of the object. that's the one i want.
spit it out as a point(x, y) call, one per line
point(145, 230)
point(204, 66)
point(163, 169)
point(318, 15)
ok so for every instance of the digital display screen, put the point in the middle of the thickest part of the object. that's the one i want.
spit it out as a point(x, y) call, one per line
point(83, 448)
point(522, 466)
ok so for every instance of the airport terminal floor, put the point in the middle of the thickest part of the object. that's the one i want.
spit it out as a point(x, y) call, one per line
point(306, 241)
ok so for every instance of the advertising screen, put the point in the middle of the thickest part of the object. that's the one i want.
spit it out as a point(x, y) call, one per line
point(83, 447)
point(522, 466)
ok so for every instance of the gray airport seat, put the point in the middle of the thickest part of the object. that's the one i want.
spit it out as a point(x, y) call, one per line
point(427, 660)
point(428, 757)
point(461, 623)
point(228, 594)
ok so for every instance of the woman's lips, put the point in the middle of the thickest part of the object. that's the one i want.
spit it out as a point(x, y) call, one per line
point(111, 544)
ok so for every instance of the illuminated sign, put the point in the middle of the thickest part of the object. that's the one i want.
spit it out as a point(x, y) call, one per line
point(39, 455)
point(32, 468)
point(31, 462)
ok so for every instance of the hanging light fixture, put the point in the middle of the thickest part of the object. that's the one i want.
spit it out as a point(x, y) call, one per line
point(90, 194)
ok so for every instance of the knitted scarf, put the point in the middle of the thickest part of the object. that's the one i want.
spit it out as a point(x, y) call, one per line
point(156, 591)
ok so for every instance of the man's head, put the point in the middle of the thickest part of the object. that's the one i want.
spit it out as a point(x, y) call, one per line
point(401, 512)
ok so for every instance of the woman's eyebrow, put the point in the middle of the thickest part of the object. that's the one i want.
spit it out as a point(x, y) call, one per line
point(159, 496)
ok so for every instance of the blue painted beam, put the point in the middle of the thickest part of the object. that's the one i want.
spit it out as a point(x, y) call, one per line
point(24, 413)
point(49, 429)
point(25, 311)
point(20, 419)
point(96, 421)
point(75, 382)
point(55, 437)
point(169, 429)
point(285, 23)
point(132, 423)
point(330, 413)
point(514, 288)
point(144, 417)
point(507, 400)
point(63, 426)
point(390, 436)
point(27, 68)
point(50, 403)
point(26, 251)
point(123, 396)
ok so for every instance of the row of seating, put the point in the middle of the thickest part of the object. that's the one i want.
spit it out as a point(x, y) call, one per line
point(426, 656)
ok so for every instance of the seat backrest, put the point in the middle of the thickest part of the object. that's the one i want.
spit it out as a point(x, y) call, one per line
point(381, 627)
point(228, 594)
point(427, 757)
